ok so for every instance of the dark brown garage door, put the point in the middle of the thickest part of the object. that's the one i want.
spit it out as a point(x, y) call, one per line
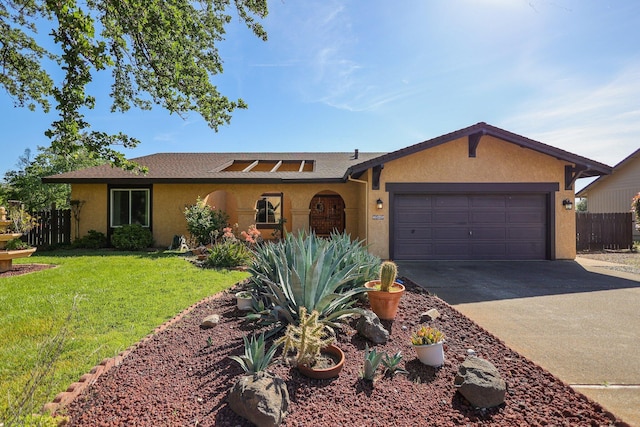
point(469, 226)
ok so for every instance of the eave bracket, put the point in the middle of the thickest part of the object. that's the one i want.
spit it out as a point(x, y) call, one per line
point(474, 140)
point(375, 182)
point(571, 173)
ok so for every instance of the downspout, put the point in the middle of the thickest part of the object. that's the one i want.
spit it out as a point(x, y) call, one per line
point(366, 216)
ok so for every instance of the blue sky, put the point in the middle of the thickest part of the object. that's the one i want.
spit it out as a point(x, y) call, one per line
point(379, 76)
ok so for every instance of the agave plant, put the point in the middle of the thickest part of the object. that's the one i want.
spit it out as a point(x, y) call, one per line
point(310, 272)
point(255, 358)
point(372, 360)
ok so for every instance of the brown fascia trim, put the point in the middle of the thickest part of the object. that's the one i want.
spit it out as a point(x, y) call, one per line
point(150, 181)
point(589, 167)
point(471, 187)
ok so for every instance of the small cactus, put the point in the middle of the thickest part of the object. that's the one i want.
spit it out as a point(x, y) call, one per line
point(388, 274)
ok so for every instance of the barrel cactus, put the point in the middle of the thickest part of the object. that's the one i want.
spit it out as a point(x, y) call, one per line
point(388, 274)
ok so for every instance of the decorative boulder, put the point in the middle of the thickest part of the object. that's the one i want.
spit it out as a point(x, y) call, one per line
point(210, 321)
point(260, 398)
point(429, 315)
point(369, 326)
point(479, 381)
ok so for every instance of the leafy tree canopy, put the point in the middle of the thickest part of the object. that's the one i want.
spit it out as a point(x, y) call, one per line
point(25, 183)
point(160, 52)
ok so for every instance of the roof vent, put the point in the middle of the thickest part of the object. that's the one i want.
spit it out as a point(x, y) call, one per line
point(355, 154)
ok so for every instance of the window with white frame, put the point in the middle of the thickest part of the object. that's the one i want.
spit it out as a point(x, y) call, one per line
point(269, 209)
point(130, 206)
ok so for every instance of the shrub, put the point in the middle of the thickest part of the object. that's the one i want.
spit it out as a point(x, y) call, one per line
point(229, 254)
point(204, 222)
point(92, 240)
point(311, 272)
point(132, 237)
point(16, 244)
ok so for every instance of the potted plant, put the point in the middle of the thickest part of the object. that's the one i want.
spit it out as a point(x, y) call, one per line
point(244, 300)
point(385, 293)
point(428, 342)
point(311, 343)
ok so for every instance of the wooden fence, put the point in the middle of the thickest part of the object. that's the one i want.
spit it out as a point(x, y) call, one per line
point(599, 231)
point(54, 228)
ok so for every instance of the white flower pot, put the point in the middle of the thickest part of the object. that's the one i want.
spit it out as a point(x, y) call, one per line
point(244, 303)
point(431, 354)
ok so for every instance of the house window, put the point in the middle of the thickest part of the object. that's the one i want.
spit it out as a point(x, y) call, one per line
point(129, 206)
point(269, 209)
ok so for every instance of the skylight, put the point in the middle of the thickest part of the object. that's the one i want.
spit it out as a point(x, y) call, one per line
point(270, 166)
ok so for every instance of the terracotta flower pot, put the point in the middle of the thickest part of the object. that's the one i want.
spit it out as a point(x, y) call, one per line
point(384, 304)
point(326, 373)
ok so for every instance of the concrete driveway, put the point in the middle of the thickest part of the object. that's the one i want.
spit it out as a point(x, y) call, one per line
point(580, 319)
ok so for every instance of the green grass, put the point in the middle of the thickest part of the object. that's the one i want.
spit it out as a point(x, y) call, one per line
point(120, 298)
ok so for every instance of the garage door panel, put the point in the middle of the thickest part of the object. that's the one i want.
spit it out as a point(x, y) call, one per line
point(488, 250)
point(450, 217)
point(451, 201)
point(528, 250)
point(447, 250)
point(415, 233)
point(470, 226)
point(484, 201)
point(528, 217)
point(523, 201)
point(414, 201)
point(448, 233)
point(418, 251)
point(481, 217)
point(494, 233)
point(413, 217)
point(528, 233)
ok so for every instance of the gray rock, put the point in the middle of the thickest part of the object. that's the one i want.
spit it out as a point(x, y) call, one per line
point(369, 326)
point(260, 398)
point(210, 321)
point(479, 381)
point(431, 314)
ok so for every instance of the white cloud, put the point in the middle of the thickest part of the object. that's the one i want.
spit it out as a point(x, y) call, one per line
point(597, 120)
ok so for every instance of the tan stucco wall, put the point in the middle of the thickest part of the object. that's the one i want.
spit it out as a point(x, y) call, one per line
point(495, 161)
point(169, 201)
point(93, 214)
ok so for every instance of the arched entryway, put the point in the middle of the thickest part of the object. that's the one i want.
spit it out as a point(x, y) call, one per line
point(326, 213)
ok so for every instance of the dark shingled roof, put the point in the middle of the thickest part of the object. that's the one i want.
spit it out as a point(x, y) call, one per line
point(209, 167)
point(328, 167)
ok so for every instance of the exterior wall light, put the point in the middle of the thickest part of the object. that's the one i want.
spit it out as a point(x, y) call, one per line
point(379, 203)
point(568, 204)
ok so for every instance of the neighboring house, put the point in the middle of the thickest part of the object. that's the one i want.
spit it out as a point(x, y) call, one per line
point(613, 193)
point(477, 193)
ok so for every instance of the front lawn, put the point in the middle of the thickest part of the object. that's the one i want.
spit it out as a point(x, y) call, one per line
point(120, 297)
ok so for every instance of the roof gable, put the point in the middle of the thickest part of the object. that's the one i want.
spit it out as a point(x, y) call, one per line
point(583, 167)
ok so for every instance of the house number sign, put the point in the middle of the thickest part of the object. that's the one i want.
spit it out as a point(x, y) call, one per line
point(378, 217)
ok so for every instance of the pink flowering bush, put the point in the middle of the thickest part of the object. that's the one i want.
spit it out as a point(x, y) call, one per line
point(635, 208)
point(252, 236)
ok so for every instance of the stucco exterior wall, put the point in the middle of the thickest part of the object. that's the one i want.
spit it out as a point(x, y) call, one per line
point(93, 214)
point(496, 161)
point(239, 200)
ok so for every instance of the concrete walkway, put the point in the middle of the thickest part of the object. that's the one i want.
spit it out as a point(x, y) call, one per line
point(580, 319)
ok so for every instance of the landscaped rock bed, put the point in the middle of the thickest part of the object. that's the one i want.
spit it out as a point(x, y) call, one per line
point(181, 377)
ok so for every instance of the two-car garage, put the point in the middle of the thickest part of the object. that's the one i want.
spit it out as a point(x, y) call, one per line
point(449, 222)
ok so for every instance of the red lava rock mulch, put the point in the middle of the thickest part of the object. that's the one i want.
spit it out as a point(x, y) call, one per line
point(175, 378)
point(19, 269)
